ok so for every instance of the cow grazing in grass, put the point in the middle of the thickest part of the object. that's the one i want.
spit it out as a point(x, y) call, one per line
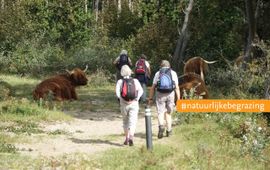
point(197, 65)
point(192, 80)
point(61, 86)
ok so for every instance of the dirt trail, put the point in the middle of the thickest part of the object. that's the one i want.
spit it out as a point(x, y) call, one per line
point(87, 133)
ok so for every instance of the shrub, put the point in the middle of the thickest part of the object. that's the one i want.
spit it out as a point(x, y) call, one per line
point(6, 90)
point(246, 127)
point(100, 78)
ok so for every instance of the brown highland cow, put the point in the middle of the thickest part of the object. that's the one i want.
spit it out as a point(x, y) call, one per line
point(192, 80)
point(197, 65)
point(61, 86)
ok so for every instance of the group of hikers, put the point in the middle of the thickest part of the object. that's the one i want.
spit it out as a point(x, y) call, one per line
point(132, 91)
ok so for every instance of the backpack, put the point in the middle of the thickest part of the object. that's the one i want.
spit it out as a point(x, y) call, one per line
point(165, 83)
point(128, 90)
point(123, 60)
point(140, 67)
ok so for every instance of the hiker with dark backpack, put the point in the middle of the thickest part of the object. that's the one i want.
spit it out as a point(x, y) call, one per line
point(143, 73)
point(121, 60)
point(166, 84)
point(128, 90)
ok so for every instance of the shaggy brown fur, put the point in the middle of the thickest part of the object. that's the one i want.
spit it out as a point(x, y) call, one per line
point(197, 65)
point(61, 86)
point(192, 80)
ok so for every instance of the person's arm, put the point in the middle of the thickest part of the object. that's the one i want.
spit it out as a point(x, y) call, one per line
point(129, 60)
point(149, 71)
point(151, 93)
point(139, 89)
point(117, 88)
point(177, 91)
point(116, 60)
point(152, 89)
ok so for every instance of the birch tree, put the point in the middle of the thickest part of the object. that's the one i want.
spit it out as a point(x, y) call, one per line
point(178, 55)
point(2, 4)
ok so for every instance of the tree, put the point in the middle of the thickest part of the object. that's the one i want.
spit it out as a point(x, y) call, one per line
point(182, 40)
point(252, 34)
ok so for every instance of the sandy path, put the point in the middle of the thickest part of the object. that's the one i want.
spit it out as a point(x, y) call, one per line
point(83, 135)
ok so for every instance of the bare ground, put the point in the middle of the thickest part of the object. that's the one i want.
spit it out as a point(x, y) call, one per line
point(89, 132)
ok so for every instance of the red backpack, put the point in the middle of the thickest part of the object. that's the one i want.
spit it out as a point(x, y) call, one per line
point(140, 67)
point(128, 90)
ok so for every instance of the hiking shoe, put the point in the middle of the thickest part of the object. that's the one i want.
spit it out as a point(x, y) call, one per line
point(130, 142)
point(160, 132)
point(168, 133)
point(126, 142)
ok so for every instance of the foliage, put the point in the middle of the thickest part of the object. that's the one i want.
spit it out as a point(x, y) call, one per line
point(7, 148)
point(235, 82)
point(100, 78)
point(20, 107)
point(216, 26)
point(38, 37)
point(26, 110)
point(251, 129)
point(121, 24)
point(155, 40)
point(6, 90)
point(43, 36)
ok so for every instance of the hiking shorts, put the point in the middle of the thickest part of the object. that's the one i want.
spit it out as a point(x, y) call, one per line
point(165, 102)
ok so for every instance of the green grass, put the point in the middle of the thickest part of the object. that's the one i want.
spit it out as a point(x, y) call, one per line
point(204, 145)
point(199, 142)
point(94, 98)
point(20, 115)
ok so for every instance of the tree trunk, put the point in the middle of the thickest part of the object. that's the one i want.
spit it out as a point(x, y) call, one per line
point(96, 9)
point(130, 5)
point(119, 6)
point(2, 4)
point(178, 55)
point(250, 14)
point(86, 6)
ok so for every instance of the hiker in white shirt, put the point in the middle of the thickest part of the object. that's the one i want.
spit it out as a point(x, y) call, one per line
point(165, 96)
point(129, 107)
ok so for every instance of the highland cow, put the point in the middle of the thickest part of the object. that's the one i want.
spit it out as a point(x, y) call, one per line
point(192, 80)
point(61, 86)
point(197, 65)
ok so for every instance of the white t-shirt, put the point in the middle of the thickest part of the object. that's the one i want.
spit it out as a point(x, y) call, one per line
point(138, 88)
point(174, 77)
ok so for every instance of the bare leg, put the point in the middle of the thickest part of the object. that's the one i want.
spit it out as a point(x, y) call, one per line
point(168, 118)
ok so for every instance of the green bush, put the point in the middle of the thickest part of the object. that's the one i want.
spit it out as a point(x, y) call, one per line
point(101, 78)
point(6, 90)
point(247, 127)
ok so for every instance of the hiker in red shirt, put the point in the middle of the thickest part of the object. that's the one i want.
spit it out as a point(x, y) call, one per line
point(143, 73)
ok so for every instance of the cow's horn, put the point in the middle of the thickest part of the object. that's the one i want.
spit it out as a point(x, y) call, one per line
point(203, 93)
point(210, 62)
point(86, 67)
point(69, 72)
